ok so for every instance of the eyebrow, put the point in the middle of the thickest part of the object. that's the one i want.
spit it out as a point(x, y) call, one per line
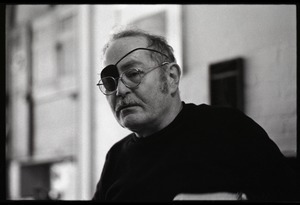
point(129, 64)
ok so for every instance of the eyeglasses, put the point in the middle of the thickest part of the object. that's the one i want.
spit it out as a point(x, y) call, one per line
point(131, 78)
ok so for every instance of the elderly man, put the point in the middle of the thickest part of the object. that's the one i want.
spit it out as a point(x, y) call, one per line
point(180, 151)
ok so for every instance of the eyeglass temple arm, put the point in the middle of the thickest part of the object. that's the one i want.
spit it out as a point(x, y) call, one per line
point(164, 63)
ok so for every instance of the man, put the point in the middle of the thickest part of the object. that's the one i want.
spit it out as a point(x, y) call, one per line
point(180, 151)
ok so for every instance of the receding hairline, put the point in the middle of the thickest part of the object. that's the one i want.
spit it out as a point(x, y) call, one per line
point(154, 41)
point(111, 42)
point(117, 38)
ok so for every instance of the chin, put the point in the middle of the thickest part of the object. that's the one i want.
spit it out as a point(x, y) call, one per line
point(132, 123)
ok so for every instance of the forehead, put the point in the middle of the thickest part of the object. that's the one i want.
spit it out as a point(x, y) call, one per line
point(118, 48)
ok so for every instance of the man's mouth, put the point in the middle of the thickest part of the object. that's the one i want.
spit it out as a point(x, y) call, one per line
point(122, 107)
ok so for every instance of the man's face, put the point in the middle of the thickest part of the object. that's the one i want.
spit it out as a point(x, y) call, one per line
point(142, 108)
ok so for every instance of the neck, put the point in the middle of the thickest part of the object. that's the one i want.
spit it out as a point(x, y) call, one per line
point(169, 117)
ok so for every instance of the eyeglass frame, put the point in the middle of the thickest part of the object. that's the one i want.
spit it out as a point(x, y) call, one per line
point(139, 72)
point(116, 79)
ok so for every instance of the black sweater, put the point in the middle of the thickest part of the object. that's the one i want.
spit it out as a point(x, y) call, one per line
point(205, 149)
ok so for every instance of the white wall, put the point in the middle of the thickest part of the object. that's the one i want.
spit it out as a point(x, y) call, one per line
point(265, 35)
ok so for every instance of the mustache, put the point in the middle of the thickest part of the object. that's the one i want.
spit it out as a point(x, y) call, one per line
point(124, 103)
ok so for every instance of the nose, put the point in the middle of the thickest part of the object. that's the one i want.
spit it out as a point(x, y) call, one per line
point(121, 88)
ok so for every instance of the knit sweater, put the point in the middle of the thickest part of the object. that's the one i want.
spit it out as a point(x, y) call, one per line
point(205, 149)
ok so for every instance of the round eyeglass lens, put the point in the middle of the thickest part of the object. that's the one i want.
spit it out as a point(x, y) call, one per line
point(107, 85)
point(131, 77)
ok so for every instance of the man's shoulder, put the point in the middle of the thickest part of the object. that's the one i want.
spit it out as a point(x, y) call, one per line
point(210, 111)
point(217, 118)
point(204, 106)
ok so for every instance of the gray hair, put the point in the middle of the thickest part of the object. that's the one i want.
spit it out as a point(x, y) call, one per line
point(156, 42)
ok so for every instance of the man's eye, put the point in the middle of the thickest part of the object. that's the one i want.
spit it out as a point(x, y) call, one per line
point(132, 73)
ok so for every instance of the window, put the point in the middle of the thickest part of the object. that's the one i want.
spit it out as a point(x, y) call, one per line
point(65, 51)
point(35, 181)
point(54, 49)
point(226, 83)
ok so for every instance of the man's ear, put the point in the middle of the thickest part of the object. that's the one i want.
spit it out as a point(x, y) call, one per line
point(174, 74)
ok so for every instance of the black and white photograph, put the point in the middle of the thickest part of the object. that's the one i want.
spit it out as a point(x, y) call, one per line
point(151, 102)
